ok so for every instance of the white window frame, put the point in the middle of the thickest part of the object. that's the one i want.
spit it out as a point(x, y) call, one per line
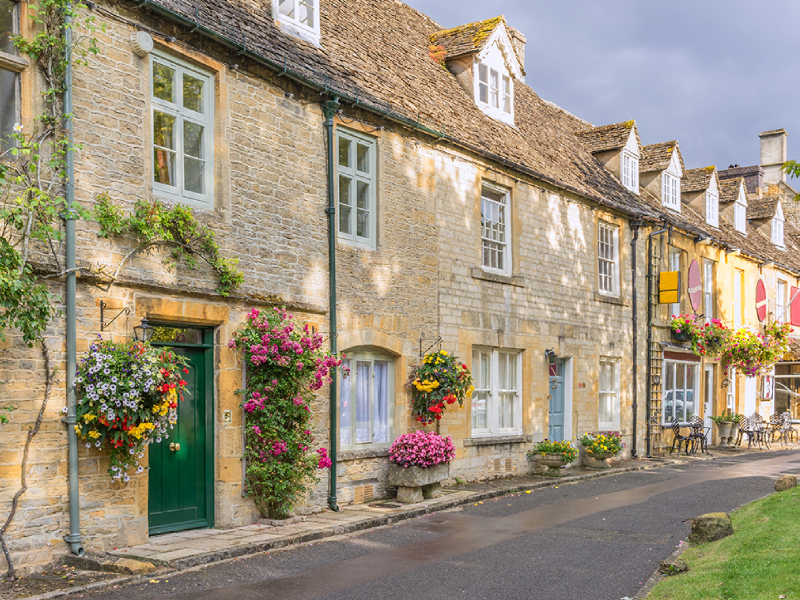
point(780, 301)
point(613, 393)
point(777, 231)
point(176, 109)
point(354, 357)
point(495, 83)
point(291, 25)
point(357, 176)
point(675, 265)
point(671, 191)
point(630, 171)
point(712, 209)
point(492, 403)
point(740, 217)
point(673, 364)
point(708, 290)
point(502, 227)
point(608, 256)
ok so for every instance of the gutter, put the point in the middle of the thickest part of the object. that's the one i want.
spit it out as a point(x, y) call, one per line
point(284, 71)
point(650, 333)
point(74, 537)
point(635, 225)
point(329, 108)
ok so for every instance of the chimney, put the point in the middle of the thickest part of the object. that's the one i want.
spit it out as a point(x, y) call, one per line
point(773, 155)
point(518, 40)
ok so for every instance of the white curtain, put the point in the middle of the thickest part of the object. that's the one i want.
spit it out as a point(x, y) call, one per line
point(380, 428)
point(362, 402)
point(345, 399)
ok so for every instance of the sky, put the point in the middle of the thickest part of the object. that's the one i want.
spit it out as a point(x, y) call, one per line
point(712, 74)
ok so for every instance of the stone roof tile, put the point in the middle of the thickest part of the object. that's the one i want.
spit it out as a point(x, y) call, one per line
point(729, 189)
point(697, 180)
point(762, 209)
point(608, 137)
point(465, 39)
point(656, 157)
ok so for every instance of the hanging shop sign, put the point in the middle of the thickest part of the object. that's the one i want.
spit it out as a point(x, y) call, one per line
point(669, 283)
point(761, 300)
point(695, 286)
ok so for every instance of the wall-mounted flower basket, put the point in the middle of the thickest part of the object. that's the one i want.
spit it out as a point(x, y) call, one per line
point(438, 383)
point(683, 336)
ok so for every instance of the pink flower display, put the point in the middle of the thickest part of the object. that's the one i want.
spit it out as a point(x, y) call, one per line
point(421, 449)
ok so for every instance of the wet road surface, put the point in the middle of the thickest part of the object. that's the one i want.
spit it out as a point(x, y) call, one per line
point(601, 538)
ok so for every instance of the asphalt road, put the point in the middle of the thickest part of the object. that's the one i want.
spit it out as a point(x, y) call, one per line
point(599, 539)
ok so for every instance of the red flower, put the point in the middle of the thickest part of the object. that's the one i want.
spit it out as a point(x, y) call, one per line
point(435, 409)
point(182, 382)
point(185, 370)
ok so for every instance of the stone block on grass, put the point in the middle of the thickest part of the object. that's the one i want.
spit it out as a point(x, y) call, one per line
point(785, 482)
point(710, 528)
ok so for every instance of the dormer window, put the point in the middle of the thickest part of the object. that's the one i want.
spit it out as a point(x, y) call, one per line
point(712, 209)
point(299, 18)
point(495, 94)
point(777, 226)
point(630, 171)
point(740, 217)
point(671, 191)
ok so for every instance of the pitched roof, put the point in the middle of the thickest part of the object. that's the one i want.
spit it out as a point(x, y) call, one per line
point(729, 190)
point(753, 176)
point(465, 39)
point(656, 157)
point(762, 209)
point(375, 56)
point(697, 180)
point(608, 137)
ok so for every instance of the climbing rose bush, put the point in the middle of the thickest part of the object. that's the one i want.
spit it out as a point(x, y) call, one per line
point(128, 397)
point(285, 364)
point(421, 449)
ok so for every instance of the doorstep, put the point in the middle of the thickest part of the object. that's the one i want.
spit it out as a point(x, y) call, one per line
point(203, 546)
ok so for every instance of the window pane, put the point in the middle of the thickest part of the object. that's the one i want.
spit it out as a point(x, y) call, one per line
point(362, 402)
point(483, 73)
point(362, 195)
point(192, 93)
point(344, 152)
point(690, 376)
point(483, 85)
point(480, 397)
point(163, 80)
point(307, 12)
point(345, 392)
point(163, 130)
point(380, 427)
point(362, 214)
point(9, 114)
point(193, 139)
point(494, 88)
point(505, 417)
point(164, 154)
point(286, 7)
point(8, 25)
point(669, 391)
point(362, 158)
point(193, 175)
point(362, 223)
point(180, 335)
point(344, 204)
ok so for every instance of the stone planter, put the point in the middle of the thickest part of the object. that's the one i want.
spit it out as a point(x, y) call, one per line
point(724, 432)
point(599, 462)
point(553, 462)
point(734, 433)
point(414, 484)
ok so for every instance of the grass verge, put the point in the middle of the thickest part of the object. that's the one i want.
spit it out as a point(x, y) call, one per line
point(760, 561)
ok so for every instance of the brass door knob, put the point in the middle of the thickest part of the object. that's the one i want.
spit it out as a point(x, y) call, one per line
point(174, 447)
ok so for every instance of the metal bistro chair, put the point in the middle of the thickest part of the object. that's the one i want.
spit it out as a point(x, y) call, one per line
point(679, 439)
point(746, 428)
point(760, 430)
point(789, 432)
point(699, 434)
point(776, 428)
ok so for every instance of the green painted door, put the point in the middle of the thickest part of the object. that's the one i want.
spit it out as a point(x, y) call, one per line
point(181, 465)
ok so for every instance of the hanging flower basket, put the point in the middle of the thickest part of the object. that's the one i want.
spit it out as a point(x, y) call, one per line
point(438, 383)
point(684, 328)
point(128, 397)
point(754, 353)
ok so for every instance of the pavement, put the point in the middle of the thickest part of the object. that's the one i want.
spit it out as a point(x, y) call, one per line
point(524, 537)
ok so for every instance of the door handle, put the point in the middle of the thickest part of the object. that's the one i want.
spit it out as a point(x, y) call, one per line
point(174, 447)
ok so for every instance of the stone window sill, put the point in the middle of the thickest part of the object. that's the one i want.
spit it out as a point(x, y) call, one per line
point(610, 299)
point(515, 280)
point(360, 454)
point(499, 439)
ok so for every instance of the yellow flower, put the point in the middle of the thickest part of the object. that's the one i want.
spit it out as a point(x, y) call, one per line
point(94, 434)
point(78, 429)
point(89, 417)
point(444, 352)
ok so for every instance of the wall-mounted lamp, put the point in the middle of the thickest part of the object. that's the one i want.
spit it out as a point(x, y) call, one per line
point(103, 307)
point(726, 382)
point(656, 379)
point(704, 241)
point(144, 331)
point(550, 354)
point(733, 252)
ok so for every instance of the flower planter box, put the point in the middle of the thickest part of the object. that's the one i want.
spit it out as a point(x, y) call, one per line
point(683, 336)
point(414, 484)
point(734, 433)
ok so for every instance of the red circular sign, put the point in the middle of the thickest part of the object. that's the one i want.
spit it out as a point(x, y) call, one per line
point(695, 285)
point(761, 300)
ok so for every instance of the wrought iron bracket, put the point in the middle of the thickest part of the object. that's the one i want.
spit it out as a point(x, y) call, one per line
point(422, 352)
point(103, 307)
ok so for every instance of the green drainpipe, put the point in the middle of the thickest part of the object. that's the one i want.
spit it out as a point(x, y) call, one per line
point(74, 537)
point(330, 108)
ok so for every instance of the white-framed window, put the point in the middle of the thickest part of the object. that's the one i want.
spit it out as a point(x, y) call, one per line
point(299, 18)
point(740, 217)
point(679, 391)
point(630, 172)
point(671, 191)
point(712, 209)
point(496, 400)
point(609, 405)
point(495, 91)
point(708, 290)
point(738, 305)
point(10, 67)
point(495, 230)
point(675, 265)
point(356, 187)
point(777, 231)
point(608, 258)
point(182, 113)
point(365, 399)
point(780, 301)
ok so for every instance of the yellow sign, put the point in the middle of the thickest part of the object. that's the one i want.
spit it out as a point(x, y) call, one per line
point(669, 283)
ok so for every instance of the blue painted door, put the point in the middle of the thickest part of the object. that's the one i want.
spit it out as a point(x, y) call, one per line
point(556, 380)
